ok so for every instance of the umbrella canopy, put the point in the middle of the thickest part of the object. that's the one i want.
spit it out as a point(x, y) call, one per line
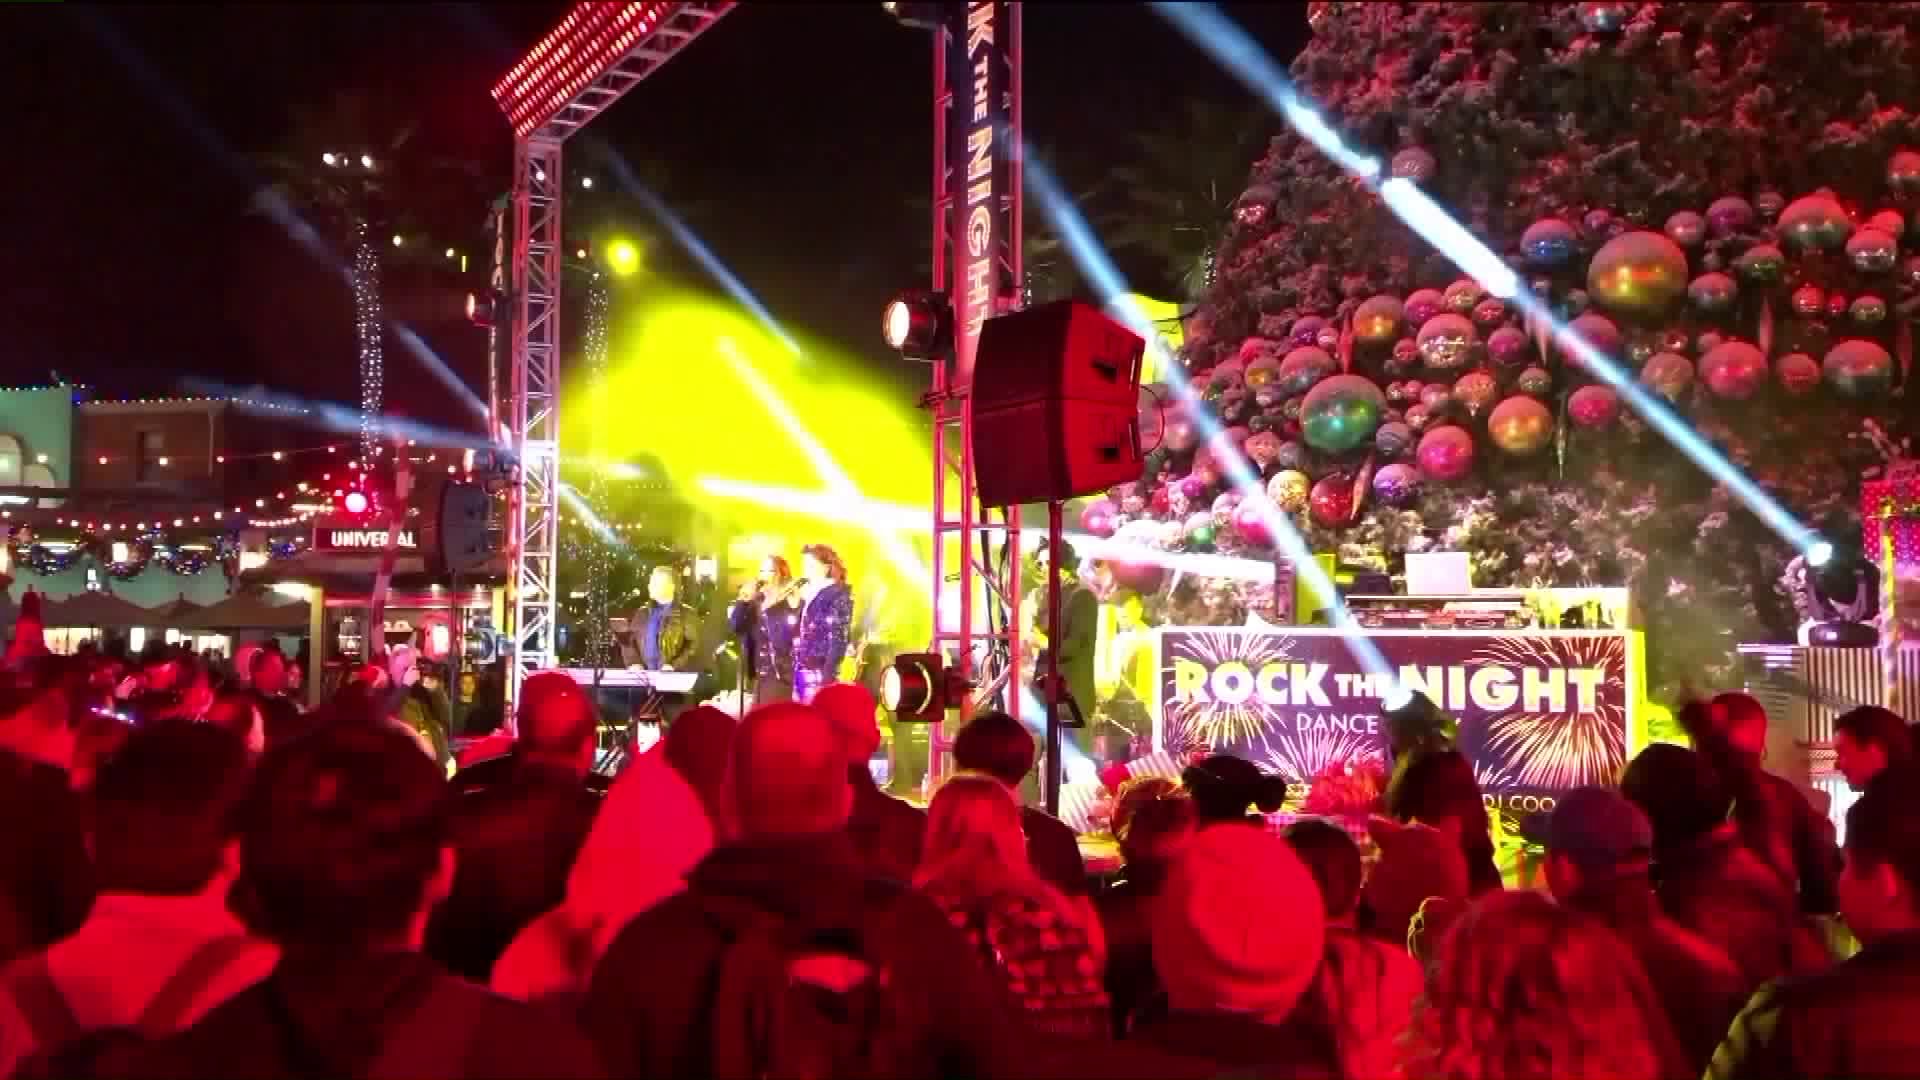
point(99, 610)
point(174, 610)
point(248, 611)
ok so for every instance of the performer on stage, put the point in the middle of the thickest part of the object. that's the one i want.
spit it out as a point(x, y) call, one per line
point(1079, 636)
point(826, 616)
point(764, 618)
point(664, 634)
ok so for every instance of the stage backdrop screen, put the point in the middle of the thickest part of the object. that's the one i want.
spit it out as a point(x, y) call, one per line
point(1539, 711)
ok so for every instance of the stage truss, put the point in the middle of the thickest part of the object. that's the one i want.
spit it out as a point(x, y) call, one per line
point(597, 53)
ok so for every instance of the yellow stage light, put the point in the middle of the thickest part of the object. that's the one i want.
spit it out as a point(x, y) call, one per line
point(623, 258)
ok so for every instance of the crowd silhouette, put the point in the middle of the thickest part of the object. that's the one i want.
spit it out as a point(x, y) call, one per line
point(203, 880)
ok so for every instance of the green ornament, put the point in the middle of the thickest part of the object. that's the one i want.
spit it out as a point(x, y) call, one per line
point(1534, 382)
point(1341, 413)
point(1868, 310)
point(1761, 265)
point(1815, 223)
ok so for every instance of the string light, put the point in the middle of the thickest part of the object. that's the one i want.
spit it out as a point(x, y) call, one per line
point(599, 551)
point(368, 323)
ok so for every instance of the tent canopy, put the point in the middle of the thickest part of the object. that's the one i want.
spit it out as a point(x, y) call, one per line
point(249, 611)
point(97, 610)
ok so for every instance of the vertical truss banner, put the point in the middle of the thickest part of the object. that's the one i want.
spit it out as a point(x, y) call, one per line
point(979, 171)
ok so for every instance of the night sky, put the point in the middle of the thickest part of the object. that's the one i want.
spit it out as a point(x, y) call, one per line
point(796, 135)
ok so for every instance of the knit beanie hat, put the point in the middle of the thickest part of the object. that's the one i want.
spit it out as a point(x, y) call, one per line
point(1239, 925)
point(1416, 862)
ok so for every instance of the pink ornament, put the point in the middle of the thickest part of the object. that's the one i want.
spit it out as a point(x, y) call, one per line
point(1138, 574)
point(1099, 517)
point(1224, 505)
point(1594, 406)
point(1161, 502)
point(1445, 453)
point(1193, 487)
point(1734, 370)
point(1250, 520)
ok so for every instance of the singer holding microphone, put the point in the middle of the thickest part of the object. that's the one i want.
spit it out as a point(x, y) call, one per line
point(765, 617)
point(826, 619)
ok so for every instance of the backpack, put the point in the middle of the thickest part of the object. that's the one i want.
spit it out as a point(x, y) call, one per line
point(795, 1001)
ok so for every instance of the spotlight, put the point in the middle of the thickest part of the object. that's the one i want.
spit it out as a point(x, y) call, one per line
point(328, 158)
point(623, 258)
point(918, 324)
point(919, 688)
point(1819, 555)
point(586, 182)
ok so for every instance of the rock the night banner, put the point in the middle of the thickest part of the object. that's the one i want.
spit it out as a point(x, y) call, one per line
point(1539, 712)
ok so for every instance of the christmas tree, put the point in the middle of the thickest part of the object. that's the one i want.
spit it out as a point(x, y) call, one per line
point(1719, 196)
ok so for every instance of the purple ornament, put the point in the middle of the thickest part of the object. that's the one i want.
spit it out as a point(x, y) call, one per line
point(1424, 304)
point(1396, 484)
point(1306, 328)
point(1729, 214)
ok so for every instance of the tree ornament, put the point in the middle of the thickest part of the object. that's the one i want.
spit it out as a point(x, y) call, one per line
point(1490, 312)
point(1600, 334)
point(1769, 204)
point(1713, 294)
point(1639, 274)
point(1396, 484)
point(1332, 502)
point(1808, 301)
point(1180, 435)
point(1668, 374)
point(1534, 381)
point(1761, 264)
point(1872, 251)
point(1306, 328)
point(1814, 223)
point(1288, 489)
point(1541, 287)
point(1251, 520)
point(1254, 206)
point(1708, 341)
point(1393, 440)
point(1868, 310)
point(1549, 243)
point(1200, 529)
point(1423, 305)
point(1593, 406)
point(1910, 271)
point(1508, 347)
point(1304, 367)
point(1520, 426)
point(1639, 351)
point(1734, 370)
point(1476, 391)
point(1903, 173)
point(1674, 340)
point(1223, 506)
point(1799, 373)
point(1415, 164)
point(1605, 17)
point(1836, 305)
point(1447, 342)
point(1341, 413)
point(1576, 302)
point(1099, 517)
point(1328, 338)
point(1687, 229)
point(1729, 214)
point(1418, 416)
point(1402, 392)
point(1445, 453)
point(1890, 222)
point(1377, 320)
point(1405, 355)
point(1859, 368)
point(1262, 373)
point(1463, 296)
point(1292, 455)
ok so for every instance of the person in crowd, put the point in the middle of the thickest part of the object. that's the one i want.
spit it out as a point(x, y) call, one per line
point(888, 832)
point(1523, 987)
point(1418, 886)
point(45, 880)
point(1855, 1019)
point(1599, 862)
point(268, 675)
point(1225, 788)
point(412, 707)
point(766, 916)
point(1775, 818)
point(1044, 947)
point(1868, 741)
point(764, 619)
point(242, 674)
point(347, 844)
point(999, 746)
point(1153, 818)
point(1438, 788)
point(96, 738)
point(1366, 987)
point(239, 712)
point(649, 835)
point(1238, 933)
point(516, 840)
point(1706, 879)
point(29, 639)
point(159, 946)
point(699, 746)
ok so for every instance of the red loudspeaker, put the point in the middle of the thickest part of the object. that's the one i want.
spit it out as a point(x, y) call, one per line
point(1055, 396)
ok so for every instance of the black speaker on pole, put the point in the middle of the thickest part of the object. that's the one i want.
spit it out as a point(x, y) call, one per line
point(1055, 400)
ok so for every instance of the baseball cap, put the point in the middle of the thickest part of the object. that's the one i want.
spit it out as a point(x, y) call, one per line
point(1595, 827)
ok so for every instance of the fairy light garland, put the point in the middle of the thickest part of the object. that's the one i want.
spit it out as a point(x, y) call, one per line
point(600, 645)
point(368, 323)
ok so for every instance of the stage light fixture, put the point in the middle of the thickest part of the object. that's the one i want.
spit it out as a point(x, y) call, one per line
point(366, 161)
point(919, 16)
point(481, 307)
point(919, 688)
point(918, 324)
point(328, 158)
point(1819, 555)
point(586, 182)
point(623, 258)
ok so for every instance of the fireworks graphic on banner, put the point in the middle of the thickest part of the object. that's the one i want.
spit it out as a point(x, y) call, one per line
point(1302, 755)
point(1217, 723)
point(1492, 775)
point(1568, 749)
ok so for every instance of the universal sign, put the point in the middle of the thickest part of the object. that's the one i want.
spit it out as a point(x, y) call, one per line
point(372, 541)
